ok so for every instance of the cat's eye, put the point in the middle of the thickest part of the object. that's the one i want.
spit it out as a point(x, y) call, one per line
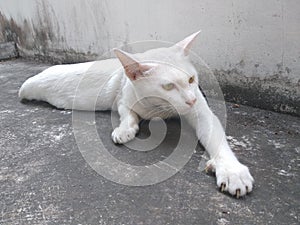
point(168, 87)
point(191, 80)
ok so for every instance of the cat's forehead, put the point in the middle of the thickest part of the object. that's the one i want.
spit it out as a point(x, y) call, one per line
point(170, 64)
point(177, 70)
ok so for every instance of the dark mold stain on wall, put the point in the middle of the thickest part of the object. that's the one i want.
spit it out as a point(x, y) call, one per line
point(272, 93)
point(35, 39)
point(10, 31)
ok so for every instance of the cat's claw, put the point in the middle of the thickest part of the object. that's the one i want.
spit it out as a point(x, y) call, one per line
point(234, 177)
point(209, 168)
point(238, 193)
point(223, 186)
point(122, 135)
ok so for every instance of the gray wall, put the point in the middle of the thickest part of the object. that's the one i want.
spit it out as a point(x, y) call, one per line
point(251, 46)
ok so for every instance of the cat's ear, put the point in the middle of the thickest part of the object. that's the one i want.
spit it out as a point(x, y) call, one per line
point(133, 69)
point(185, 44)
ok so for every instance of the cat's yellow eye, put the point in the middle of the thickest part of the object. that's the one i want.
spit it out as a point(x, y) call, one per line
point(191, 80)
point(168, 87)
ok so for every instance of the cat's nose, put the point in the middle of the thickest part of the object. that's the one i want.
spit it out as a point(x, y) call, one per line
point(191, 102)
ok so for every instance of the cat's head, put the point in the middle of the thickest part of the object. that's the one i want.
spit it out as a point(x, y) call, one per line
point(163, 76)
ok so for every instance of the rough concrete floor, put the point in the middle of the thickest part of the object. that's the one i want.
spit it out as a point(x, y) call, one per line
point(45, 180)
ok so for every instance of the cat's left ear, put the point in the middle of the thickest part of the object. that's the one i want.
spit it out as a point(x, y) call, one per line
point(186, 43)
point(133, 69)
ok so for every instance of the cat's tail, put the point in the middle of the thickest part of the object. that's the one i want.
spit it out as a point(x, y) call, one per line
point(30, 90)
point(23, 91)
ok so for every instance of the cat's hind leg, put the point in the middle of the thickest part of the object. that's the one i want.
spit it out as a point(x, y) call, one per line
point(129, 126)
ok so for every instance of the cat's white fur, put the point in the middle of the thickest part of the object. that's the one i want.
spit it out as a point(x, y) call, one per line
point(130, 91)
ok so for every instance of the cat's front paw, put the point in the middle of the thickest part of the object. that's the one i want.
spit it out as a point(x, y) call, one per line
point(122, 135)
point(233, 177)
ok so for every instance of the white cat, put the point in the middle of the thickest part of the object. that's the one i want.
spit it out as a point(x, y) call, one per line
point(174, 82)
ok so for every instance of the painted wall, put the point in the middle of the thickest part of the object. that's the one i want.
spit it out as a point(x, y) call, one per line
point(251, 46)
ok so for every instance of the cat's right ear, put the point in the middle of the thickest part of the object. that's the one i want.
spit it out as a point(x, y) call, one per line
point(186, 43)
point(133, 69)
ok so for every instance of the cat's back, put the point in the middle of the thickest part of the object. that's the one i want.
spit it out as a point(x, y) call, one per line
point(57, 84)
point(74, 72)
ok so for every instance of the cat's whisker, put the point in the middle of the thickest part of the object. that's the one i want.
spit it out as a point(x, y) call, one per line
point(153, 112)
point(160, 111)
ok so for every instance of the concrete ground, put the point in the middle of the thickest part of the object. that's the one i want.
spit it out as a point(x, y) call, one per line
point(45, 180)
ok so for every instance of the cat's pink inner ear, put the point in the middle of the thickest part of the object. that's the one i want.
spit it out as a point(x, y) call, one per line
point(186, 43)
point(133, 69)
point(136, 70)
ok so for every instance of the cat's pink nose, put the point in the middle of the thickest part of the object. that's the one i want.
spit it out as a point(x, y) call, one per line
point(191, 102)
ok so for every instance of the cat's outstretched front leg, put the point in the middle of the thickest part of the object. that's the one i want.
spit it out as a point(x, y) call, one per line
point(128, 127)
point(232, 176)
